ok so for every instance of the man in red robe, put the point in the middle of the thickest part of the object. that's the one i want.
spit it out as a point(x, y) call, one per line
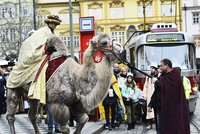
point(174, 114)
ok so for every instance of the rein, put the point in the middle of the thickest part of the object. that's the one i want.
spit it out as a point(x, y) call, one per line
point(110, 49)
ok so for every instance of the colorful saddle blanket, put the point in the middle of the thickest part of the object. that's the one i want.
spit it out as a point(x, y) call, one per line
point(53, 65)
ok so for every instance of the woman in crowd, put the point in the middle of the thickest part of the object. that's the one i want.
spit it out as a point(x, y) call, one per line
point(147, 93)
point(130, 94)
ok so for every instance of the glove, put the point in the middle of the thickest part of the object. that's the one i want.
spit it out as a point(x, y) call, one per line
point(51, 49)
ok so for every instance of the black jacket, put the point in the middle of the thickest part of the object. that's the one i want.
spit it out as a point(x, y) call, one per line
point(156, 97)
point(110, 100)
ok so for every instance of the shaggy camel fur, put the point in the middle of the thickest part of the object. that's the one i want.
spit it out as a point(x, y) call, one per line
point(72, 87)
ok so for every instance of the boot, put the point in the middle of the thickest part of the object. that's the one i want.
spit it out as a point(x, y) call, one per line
point(57, 130)
point(129, 126)
point(149, 126)
point(132, 125)
point(50, 130)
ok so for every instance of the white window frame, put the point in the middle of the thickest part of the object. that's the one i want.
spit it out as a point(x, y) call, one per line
point(116, 12)
point(96, 12)
point(195, 17)
point(76, 40)
point(166, 9)
point(119, 36)
point(148, 9)
point(40, 19)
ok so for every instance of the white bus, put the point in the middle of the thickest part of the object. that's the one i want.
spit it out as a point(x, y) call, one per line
point(164, 41)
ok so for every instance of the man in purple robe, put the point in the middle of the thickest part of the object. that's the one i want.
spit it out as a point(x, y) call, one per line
point(174, 114)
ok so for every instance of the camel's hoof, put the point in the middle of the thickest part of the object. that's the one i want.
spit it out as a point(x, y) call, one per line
point(65, 130)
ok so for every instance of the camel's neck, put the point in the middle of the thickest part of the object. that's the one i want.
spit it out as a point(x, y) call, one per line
point(104, 73)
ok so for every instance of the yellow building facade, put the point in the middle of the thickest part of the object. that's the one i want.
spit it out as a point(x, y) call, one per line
point(118, 18)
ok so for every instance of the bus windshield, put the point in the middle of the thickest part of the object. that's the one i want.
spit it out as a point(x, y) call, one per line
point(180, 55)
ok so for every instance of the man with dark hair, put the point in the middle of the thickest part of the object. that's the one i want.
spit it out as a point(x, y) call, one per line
point(174, 114)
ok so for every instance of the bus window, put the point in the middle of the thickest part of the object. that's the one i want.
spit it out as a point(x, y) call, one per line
point(178, 54)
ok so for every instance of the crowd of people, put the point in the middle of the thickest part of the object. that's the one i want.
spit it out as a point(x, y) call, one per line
point(166, 94)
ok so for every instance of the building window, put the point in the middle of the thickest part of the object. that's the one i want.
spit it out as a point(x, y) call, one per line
point(116, 12)
point(196, 17)
point(65, 18)
point(148, 11)
point(119, 36)
point(24, 11)
point(97, 13)
point(66, 40)
point(8, 34)
point(12, 35)
point(40, 19)
point(168, 9)
point(6, 12)
point(95, 9)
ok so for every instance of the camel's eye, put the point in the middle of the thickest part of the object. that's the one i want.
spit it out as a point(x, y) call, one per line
point(104, 44)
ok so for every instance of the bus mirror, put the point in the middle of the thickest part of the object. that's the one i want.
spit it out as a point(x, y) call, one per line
point(123, 55)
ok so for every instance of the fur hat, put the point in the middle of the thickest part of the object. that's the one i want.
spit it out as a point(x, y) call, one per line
point(154, 65)
point(129, 74)
point(53, 19)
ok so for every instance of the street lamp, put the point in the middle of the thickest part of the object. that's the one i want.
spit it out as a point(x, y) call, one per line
point(185, 9)
point(71, 29)
point(34, 19)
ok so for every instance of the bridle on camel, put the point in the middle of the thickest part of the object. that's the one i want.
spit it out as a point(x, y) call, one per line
point(101, 50)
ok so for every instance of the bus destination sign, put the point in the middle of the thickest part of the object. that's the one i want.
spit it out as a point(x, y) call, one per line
point(169, 37)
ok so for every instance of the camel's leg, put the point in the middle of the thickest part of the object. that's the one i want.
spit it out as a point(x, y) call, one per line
point(61, 116)
point(12, 101)
point(32, 114)
point(81, 121)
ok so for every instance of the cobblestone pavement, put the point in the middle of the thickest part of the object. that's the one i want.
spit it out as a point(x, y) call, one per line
point(22, 125)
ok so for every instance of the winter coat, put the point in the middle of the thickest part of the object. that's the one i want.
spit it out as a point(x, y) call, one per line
point(111, 98)
point(121, 81)
point(155, 101)
point(187, 87)
point(147, 93)
point(130, 94)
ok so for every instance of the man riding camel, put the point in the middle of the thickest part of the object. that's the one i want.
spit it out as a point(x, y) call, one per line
point(31, 67)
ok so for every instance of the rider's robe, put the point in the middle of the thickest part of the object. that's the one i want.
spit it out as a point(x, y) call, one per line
point(31, 56)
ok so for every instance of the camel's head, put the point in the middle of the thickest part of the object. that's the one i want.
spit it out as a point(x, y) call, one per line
point(110, 48)
point(56, 46)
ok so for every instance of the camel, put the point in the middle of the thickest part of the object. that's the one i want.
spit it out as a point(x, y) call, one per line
point(73, 88)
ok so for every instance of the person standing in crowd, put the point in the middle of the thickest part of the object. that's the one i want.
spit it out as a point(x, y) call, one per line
point(116, 70)
point(110, 101)
point(147, 93)
point(130, 95)
point(122, 77)
point(187, 88)
point(174, 113)
point(2, 93)
point(51, 123)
